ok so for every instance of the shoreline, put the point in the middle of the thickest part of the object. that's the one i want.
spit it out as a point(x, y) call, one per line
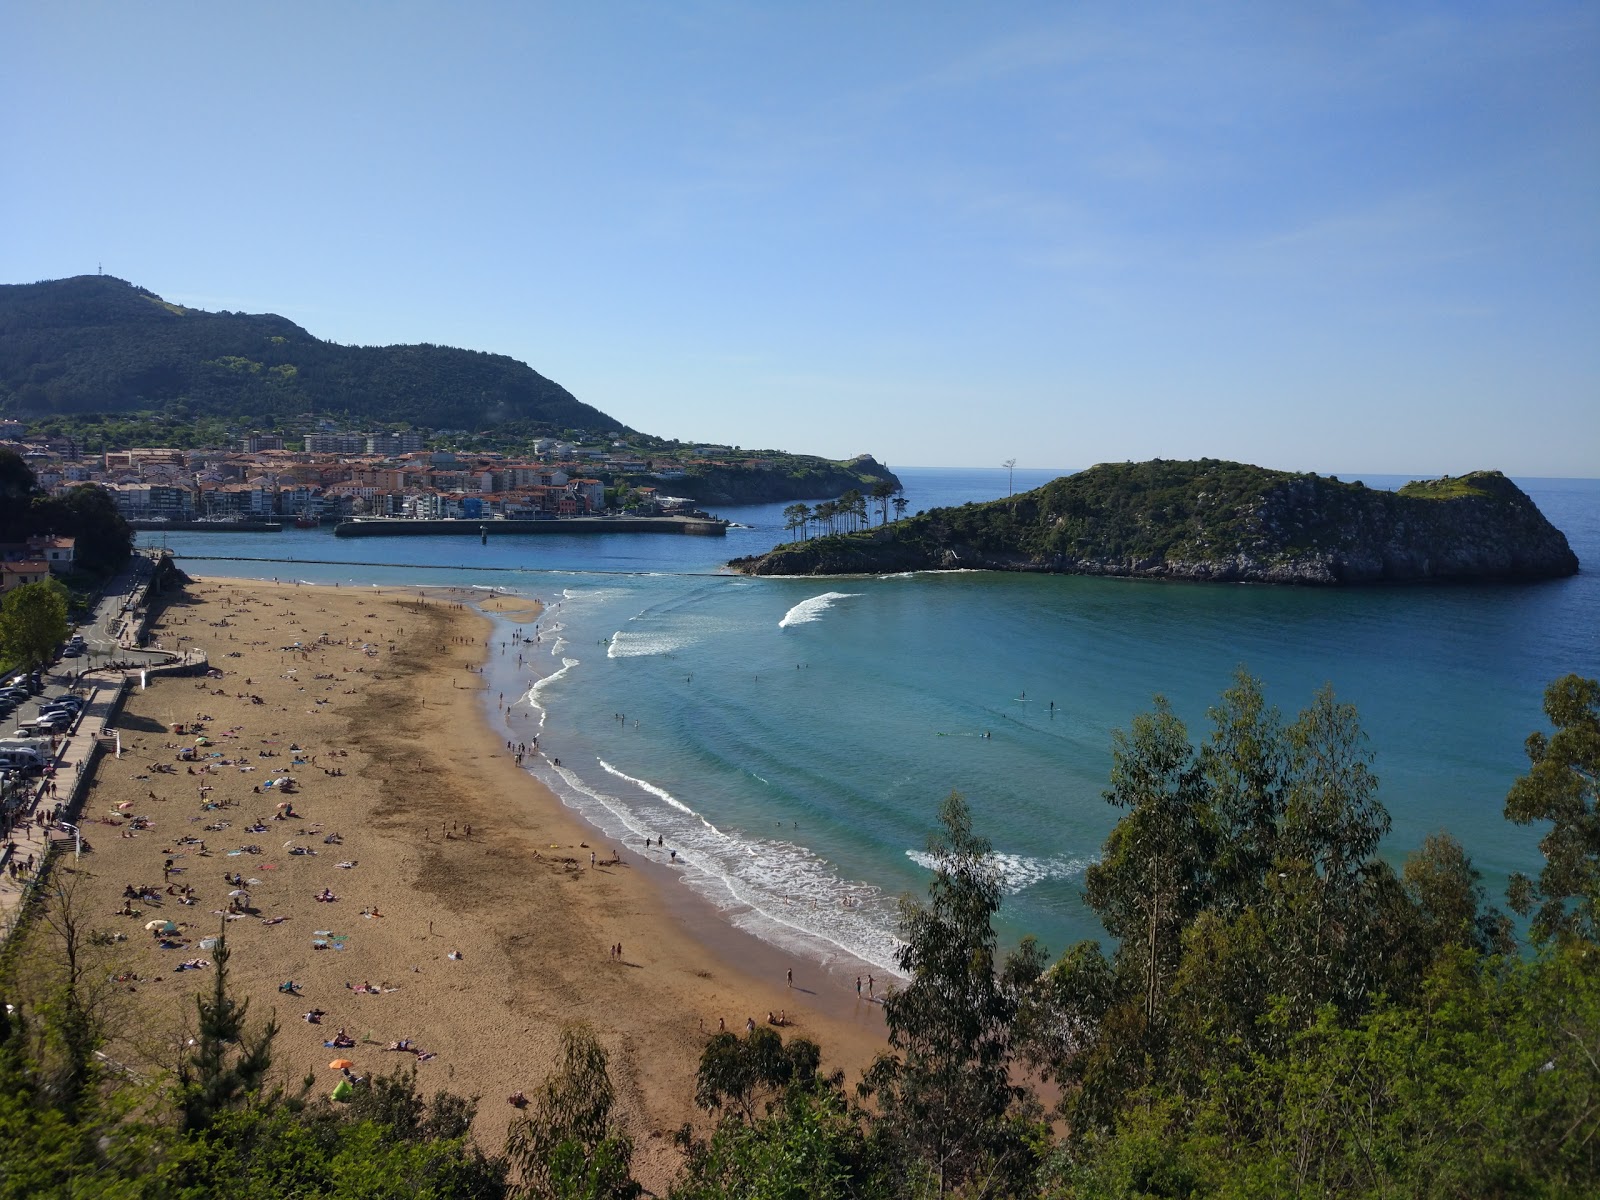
point(603, 805)
point(452, 847)
point(740, 950)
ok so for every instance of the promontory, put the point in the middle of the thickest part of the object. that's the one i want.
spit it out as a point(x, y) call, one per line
point(1215, 521)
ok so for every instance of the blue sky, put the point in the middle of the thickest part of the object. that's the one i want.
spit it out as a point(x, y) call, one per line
point(1326, 237)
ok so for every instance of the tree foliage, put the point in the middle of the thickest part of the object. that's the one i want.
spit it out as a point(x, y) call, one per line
point(85, 513)
point(738, 1075)
point(1242, 882)
point(944, 1090)
point(1562, 786)
point(568, 1147)
point(229, 1062)
point(33, 622)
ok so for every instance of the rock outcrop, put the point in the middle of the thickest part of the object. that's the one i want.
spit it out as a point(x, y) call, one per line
point(795, 478)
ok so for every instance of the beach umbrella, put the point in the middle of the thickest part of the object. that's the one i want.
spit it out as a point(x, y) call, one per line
point(339, 1064)
point(163, 926)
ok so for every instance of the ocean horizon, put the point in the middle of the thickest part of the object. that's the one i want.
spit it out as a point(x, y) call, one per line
point(791, 739)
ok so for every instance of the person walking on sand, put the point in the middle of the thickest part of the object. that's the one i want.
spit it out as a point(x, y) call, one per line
point(858, 987)
point(789, 974)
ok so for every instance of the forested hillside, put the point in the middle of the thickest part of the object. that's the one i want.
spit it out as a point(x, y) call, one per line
point(98, 344)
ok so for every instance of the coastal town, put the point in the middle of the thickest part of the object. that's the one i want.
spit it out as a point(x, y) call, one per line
point(327, 476)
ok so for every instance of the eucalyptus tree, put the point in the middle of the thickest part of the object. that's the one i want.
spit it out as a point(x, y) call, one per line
point(1153, 877)
point(570, 1144)
point(1562, 786)
point(945, 1090)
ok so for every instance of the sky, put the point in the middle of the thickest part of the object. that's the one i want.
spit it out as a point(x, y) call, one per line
point(1338, 236)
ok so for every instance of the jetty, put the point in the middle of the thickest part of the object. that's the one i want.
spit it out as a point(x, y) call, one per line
point(483, 529)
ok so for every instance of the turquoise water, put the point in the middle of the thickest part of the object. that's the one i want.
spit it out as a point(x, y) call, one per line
point(791, 739)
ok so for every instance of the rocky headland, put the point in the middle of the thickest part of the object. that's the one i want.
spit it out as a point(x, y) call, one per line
point(790, 477)
point(1213, 521)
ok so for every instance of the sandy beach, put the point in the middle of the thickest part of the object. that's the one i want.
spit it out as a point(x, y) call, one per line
point(468, 916)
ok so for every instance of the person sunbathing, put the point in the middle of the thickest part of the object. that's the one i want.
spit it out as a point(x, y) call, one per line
point(326, 896)
point(402, 1044)
point(314, 1017)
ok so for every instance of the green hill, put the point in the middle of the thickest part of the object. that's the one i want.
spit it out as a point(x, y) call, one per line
point(95, 344)
point(1213, 520)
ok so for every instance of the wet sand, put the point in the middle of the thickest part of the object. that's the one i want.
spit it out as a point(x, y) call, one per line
point(392, 699)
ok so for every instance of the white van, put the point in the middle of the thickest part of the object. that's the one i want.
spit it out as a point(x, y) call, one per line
point(19, 753)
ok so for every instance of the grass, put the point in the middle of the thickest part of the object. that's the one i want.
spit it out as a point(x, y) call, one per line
point(1447, 487)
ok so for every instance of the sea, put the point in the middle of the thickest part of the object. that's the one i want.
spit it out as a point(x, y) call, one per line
point(789, 741)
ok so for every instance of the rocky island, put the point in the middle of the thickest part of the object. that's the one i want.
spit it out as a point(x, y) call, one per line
point(1214, 521)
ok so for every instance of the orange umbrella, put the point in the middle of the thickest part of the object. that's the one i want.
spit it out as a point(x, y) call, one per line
point(339, 1064)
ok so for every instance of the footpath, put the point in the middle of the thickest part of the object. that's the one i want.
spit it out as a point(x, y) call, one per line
point(49, 816)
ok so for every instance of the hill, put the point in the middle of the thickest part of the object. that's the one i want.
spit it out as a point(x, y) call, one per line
point(1214, 520)
point(98, 344)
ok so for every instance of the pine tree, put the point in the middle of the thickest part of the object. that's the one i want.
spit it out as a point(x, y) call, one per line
point(228, 1064)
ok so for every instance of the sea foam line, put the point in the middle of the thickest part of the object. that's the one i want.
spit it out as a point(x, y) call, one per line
point(535, 693)
point(1018, 872)
point(647, 786)
point(811, 610)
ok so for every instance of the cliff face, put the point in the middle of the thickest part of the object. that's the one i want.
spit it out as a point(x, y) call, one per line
point(1216, 521)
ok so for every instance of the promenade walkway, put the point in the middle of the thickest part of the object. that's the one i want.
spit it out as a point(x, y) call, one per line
point(46, 817)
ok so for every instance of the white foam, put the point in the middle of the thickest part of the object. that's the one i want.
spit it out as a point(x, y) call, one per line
point(535, 693)
point(1018, 872)
point(811, 610)
point(647, 786)
point(645, 645)
point(777, 890)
